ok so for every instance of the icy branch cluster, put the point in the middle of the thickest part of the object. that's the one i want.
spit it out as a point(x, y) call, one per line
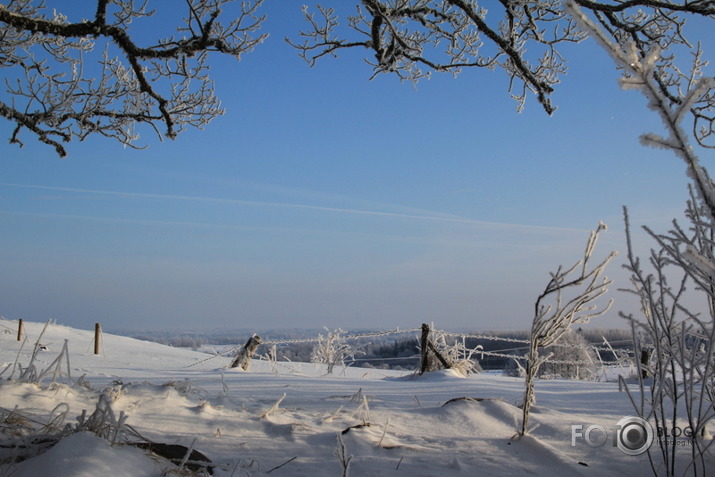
point(66, 80)
point(414, 38)
point(672, 332)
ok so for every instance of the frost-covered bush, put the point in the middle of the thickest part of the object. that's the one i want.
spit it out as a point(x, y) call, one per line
point(332, 349)
point(455, 351)
point(571, 357)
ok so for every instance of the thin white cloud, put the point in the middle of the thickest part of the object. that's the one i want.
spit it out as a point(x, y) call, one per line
point(120, 220)
point(424, 217)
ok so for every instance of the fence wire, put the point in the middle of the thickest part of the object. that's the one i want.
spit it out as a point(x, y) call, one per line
point(516, 340)
point(476, 351)
point(347, 337)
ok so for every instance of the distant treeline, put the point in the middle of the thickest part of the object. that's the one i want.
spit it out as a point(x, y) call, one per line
point(386, 352)
point(197, 339)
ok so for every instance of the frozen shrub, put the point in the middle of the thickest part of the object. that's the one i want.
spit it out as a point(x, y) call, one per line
point(571, 358)
point(332, 349)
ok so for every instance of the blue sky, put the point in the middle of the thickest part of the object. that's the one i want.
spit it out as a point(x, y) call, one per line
point(323, 199)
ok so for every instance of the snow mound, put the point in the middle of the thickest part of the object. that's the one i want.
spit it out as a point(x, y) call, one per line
point(85, 455)
point(285, 420)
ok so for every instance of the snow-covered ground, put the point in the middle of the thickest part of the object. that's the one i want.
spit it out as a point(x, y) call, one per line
point(390, 423)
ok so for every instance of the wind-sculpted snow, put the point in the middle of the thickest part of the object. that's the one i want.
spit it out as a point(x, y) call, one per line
point(391, 423)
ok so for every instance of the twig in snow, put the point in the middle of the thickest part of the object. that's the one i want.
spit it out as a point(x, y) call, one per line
point(273, 408)
point(342, 456)
point(384, 431)
point(284, 463)
point(363, 411)
point(334, 415)
point(189, 450)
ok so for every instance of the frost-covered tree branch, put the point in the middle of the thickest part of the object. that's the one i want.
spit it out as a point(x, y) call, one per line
point(413, 38)
point(681, 373)
point(671, 93)
point(568, 299)
point(677, 297)
point(54, 91)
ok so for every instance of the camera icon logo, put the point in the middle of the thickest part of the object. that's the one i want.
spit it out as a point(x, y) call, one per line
point(634, 435)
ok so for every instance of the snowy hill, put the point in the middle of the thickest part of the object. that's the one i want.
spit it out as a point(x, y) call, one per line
point(388, 423)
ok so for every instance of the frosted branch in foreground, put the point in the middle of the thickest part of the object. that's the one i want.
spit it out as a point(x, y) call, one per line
point(569, 298)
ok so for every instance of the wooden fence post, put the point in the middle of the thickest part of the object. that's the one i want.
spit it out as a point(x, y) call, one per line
point(645, 359)
point(97, 336)
point(243, 357)
point(424, 347)
point(19, 330)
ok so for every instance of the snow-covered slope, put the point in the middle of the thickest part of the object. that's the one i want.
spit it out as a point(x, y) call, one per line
point(390, 423)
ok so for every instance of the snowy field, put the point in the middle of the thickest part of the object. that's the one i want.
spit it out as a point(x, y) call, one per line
point(390, 423)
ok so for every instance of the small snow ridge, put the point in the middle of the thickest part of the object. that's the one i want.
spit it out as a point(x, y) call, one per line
point(433, 376)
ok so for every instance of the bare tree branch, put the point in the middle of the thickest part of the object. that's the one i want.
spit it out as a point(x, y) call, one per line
point(165, 83)
point(413, 38)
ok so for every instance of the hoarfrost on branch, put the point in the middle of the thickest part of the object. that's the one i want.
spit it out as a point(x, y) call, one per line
point(68, 80)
